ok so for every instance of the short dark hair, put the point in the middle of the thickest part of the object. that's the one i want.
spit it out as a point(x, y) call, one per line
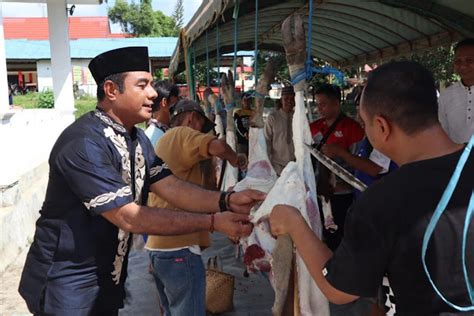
point(118, 79)
point(404, 93)
point(329, 90)
point(165, 89)
point(463, 43)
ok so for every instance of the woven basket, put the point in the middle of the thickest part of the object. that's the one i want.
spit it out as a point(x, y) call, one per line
point(219, 289)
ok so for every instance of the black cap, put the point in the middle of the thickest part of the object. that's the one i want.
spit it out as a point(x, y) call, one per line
point(119, 60)
point(187, 105)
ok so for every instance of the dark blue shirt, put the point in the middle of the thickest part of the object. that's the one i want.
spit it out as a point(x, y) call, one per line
point(78, 261)
point(364, 149)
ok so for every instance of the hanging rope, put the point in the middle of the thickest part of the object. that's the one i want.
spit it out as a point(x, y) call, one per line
point(208, 80)
point(256, 44)
point(218, 53)
point(194, 74)
point(440, 209)
point(190, 72)
point(309, 69)
point(236, 24)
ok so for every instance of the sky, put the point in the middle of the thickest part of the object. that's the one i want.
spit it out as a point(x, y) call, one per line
point(14, 9)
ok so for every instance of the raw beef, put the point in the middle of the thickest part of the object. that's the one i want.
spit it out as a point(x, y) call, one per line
point(295, 187)
point(227, 86)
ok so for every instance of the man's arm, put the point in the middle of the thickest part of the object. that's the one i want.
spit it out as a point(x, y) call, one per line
point(287, 220)
point(221, 149)
point(140, 219)
point(193, 198)
point(358, 163)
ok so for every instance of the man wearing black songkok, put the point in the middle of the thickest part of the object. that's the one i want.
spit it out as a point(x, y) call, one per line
point(101, 170)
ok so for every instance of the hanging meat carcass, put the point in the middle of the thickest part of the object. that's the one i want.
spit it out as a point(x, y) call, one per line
point(311, 299)
point(296, 187)
point(258, 247)
point(216, 107)
point(228, 89)
point(229, 177)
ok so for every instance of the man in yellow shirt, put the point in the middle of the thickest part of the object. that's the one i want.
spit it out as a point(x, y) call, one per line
point(177, 266)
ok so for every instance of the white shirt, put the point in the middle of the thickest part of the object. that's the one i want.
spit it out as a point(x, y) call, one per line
point(154, 132)
point(456, 112)
point(381, 160)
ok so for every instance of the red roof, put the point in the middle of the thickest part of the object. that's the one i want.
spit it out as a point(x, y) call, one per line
point(79, 27)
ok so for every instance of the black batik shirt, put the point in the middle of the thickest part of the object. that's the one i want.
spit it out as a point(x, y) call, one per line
point(78, 260)
point(384, 233)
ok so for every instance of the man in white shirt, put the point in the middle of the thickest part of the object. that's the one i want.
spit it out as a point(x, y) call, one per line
point(456, 103)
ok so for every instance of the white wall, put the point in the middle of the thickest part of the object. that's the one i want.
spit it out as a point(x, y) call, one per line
point(45, 80)
point(26, 140)
point(90, 87)
point(17, 222)
point(45, 75)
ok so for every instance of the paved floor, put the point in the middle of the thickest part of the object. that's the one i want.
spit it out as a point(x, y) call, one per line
point(252, 295)
point(11, 303)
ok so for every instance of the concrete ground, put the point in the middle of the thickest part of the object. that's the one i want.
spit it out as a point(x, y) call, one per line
point(252, 295)
point(11, 303)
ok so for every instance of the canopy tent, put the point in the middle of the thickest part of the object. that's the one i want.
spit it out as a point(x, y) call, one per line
point(344, 32)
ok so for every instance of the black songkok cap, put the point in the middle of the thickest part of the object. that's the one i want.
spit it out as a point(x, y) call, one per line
point(119, 60)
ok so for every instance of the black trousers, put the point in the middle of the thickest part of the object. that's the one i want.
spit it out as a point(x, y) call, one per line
point(75, 312)
point(340, 203)
point(109, 312)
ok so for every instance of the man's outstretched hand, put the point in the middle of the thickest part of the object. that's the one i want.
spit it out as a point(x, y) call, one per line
point(232, 224)
point(243, 201)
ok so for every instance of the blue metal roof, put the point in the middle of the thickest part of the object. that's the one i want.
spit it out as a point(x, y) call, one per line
point(158, 47)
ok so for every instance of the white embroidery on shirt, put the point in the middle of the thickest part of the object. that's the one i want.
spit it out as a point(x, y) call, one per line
point(140, 169)
point(122, 248)
point(107, 120)
point(108, 197)
point(155, 170)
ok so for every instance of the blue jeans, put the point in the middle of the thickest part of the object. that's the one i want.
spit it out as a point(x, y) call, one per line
point(181, 281)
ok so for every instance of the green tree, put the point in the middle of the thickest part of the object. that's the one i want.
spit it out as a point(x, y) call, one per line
point(178, 15)
point(139, 19)
point(440, 62)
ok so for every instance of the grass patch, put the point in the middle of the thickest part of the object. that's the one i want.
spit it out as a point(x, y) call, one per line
point(27, 101)
point(83, 104)
point(30, 101)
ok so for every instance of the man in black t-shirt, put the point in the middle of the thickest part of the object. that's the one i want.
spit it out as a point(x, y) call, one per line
point(384, 229)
